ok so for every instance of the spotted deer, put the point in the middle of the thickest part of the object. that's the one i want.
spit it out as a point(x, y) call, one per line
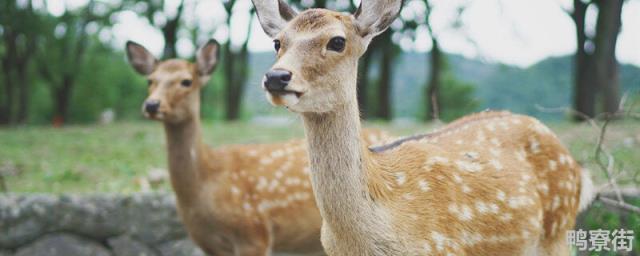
point(233, 200)
point(492, 183)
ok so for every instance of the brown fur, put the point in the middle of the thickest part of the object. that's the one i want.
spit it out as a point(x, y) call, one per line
point(488, 184)
point(241, 199)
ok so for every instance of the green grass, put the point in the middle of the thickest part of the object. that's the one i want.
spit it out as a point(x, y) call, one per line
point(109, 158)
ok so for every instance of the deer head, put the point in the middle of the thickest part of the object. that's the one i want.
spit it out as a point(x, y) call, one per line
point(174, 85)
point(318, 50)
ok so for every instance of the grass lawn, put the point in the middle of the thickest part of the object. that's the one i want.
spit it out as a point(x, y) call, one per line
point(112, 158)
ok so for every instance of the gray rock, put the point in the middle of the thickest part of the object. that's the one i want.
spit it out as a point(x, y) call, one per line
point(5, 253)
point(182, 247)
point(148, 218)
point(63, 245)
point(127, 246)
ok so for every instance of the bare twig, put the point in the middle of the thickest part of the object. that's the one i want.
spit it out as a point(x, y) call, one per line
point(618, 204)
point(601, 151)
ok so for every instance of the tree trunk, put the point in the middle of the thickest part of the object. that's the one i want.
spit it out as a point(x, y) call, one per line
point(6, 107)
point(585, 88)
point(170, 34)
point(433, 89)
point(62, 96)
point(363, 83)
point(386, 73)
point(607, 29)
point(8, 65)
point(23, 93)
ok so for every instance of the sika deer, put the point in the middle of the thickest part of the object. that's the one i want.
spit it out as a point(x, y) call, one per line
point(233, 200)
point(488, 184)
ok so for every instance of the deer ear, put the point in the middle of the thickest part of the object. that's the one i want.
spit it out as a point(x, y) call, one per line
point(207, 57)
point(273, 15)
point(374, 16)
point(140, 59)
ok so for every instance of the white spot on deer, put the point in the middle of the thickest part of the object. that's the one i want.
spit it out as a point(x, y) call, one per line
point(469, 166)
point(553, 165)
point(562, 159)
point(521, 155)
point(408, 197)
point(235, 190)
point(266, 160)
point(459, 142)
point(496, 164)
point(278, 174)
point(504, 125)
point(464, 212)
point(273, 185)
point(247, 206)
point(426, 248)
point(556, 203)
point(292, 181)
point(491, 127)
point(457, 178)
point(506, 217)
point(252, 152)
point(501, 195)
point(516, 121)
point(481, 207)
point(439, 239)
point(544, 188)
point(494, 208)
point(534, 145)
point(424, 186)
point(306, 170)
point(401, 178)
point(436, 160)
point(262, 183)
point(466, 189)
point(495, 141)
point(495, 152)
point(480, 138)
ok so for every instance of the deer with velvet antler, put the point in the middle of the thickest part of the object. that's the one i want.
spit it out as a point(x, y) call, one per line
point(492, 183)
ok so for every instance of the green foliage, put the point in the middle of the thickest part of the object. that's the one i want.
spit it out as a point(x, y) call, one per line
point(456, 98)
point(107, 83)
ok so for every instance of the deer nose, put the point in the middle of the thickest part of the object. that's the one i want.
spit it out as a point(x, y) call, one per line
point(151, 106)
point(277, 79)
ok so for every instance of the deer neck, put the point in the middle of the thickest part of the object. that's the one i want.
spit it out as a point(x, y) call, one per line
point(341, 185)
point(185, 149)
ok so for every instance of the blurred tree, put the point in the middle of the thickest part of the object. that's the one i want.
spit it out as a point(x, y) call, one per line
point(595, 64)
point(388, 51)
point(236, 65)
point(157, 13)
point(604, 56)
point(435, 69)
point(61, 52)
point(19, 28)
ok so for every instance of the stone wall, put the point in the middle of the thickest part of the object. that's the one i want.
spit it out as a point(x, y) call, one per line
point(70, 225)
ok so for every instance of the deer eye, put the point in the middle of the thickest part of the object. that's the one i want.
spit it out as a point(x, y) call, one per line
point(149, 82)
point(276, 45)
point(336, 44)
point(185, 83)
